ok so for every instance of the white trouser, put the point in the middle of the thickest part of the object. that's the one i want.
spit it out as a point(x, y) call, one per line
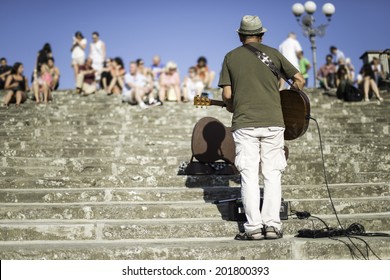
point(264, 145)
point(85, 87)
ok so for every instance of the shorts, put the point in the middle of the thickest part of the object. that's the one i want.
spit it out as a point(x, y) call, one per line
point(78, 60)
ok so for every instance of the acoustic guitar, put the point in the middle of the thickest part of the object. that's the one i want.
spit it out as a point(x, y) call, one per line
point(295, 107)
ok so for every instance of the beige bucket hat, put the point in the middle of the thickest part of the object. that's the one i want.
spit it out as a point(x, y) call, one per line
point(251, 25)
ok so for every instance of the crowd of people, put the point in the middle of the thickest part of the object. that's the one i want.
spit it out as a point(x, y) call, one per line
point(139, 85)
point(149, 86)
point(338, 73)
point(44, 79)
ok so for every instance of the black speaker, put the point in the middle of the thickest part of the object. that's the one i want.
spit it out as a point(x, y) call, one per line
point(236, 210)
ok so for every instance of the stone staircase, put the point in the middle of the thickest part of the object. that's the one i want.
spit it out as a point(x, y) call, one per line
point(91, 178)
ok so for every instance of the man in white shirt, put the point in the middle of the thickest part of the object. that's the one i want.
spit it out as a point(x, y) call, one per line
point(336, 54)
point(135, 87)
point(97, 52)
point(289, 48)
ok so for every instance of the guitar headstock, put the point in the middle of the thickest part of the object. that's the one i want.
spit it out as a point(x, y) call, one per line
point(202, 101)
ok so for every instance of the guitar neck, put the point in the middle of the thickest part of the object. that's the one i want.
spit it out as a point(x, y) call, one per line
point(205, 101)
point(217, 103)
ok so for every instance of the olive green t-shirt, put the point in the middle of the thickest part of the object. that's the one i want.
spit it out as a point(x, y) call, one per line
point(255, 89)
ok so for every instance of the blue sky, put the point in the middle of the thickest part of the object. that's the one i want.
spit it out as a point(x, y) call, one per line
point(179, 30)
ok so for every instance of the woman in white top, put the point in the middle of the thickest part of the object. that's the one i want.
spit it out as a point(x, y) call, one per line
point(192, 85)
point(78, 52)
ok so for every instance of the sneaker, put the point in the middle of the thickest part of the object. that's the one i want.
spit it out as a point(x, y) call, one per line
point(143, 106)
point(380, 99)
point(273, 233)
point(255, 235)
point(155, 103)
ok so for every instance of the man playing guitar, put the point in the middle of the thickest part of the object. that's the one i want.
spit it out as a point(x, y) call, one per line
point(250, 92)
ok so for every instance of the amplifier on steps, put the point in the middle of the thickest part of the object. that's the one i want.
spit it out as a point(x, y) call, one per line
point(236, 210)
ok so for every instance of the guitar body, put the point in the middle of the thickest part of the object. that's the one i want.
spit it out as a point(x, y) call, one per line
point(212, 141)
point(295, 107)
point(296, 113)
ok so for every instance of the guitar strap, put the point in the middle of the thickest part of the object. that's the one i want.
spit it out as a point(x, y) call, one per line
point(267, 61)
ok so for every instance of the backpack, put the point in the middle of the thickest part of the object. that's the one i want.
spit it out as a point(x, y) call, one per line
point(347, 92)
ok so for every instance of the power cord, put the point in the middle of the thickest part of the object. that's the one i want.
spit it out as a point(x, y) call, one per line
point(354, 229)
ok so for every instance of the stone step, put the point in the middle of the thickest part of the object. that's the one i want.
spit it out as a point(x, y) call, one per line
point(27, 230)
point(172, 180)
point(183, 143)
point(74, 185)
point(20, 127)
point(78, 169)
point(114, 106)
point(84, 114)
point(207, 193)
point(136, 181)
point(77, 120)
point(296, 162)
point(167, 148)
point(179, 209)
point(288, 248)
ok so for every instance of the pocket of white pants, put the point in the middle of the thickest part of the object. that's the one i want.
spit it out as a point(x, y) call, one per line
point(280, 161)
point(238, 159)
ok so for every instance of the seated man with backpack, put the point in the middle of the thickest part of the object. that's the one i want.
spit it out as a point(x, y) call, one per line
point(345, 89)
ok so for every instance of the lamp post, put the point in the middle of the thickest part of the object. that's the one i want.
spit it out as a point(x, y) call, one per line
point(309, 30)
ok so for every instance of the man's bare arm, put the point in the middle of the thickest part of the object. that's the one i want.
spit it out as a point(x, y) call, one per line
point(228, 98)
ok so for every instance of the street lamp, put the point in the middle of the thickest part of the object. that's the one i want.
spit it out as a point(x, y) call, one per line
point(307, 24)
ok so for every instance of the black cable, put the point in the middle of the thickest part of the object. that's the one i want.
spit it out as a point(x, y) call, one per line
point(331, 200)
point(353, 229)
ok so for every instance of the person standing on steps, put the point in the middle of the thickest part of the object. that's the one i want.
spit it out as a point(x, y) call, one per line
point(78, 52)
point(97, 52)
point(290, 48)
point(251, 93)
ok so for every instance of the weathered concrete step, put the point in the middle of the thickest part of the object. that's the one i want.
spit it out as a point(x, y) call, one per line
point(164, 148)
point(334, 155)
point(86, 195)
point(16, 230)
point(111, 112)
point(337, 178)
point(108, 169)
point(298, 152)
point(119, 182)
point(161, 148)
point(109, 210)
point(181, 209)
point(288, 248)
point(107, 130)
point(84, 140)
point(90, 161)
point(334, 145)
point(108, 113)
point(73, 132)
point(70, 102)
point(172, 180)
point(296, 162)
point(86, 134)
point(207, 193)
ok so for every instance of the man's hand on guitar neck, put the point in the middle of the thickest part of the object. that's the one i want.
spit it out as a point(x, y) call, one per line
point(298, 81)
point(228, 98)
